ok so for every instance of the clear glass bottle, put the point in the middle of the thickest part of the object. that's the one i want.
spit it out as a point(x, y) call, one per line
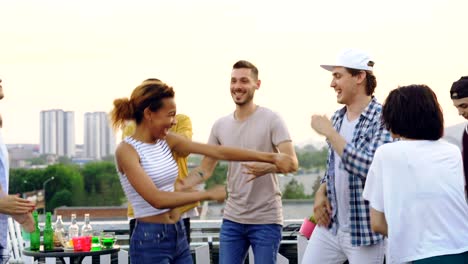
point(36, 234)
point(48, 233)
point(86, 230)
point(59, 226)
point(59, 232)
point(73, 229)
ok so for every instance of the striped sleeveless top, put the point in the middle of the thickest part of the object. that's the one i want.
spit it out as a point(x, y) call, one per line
point(157, 161)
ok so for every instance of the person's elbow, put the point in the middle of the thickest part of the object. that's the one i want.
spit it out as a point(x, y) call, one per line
point(293, 162)
point(296, 165)
point(286, 164)
point(158, 202)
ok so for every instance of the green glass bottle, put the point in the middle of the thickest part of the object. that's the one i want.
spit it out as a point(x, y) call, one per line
point(36, 234)
point(48, 233)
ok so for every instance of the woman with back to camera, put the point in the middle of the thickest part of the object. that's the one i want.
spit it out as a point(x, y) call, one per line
point(415, 186)
point(148, 171)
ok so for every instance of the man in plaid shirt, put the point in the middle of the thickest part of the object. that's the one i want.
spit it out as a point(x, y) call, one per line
point(353, 135)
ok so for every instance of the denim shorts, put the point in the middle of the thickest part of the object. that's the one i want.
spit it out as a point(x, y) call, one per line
point(159, 243)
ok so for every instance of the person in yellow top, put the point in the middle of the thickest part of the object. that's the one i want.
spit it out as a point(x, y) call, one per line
point(183, 127)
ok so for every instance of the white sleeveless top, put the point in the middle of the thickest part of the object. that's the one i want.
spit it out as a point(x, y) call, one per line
point(157, 161)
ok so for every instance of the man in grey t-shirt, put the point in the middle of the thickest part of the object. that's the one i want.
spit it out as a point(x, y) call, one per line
point(253, 213)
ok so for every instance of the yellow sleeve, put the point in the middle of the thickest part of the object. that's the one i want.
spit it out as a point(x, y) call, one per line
point(130, 212)
point(183, 128)
point(129, 129)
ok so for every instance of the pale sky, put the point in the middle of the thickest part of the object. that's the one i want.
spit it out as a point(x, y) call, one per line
point(81, 55)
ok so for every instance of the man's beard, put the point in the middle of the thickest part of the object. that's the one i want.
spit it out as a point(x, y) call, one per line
point(246, 101)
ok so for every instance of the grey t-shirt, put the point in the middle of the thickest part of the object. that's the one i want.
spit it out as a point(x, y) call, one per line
point(259, 201)
point(342, 178)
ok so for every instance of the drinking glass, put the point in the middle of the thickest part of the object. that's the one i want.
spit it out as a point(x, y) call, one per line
point(107, 240)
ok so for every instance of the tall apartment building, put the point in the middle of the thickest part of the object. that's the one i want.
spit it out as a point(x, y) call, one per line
point(57, 132)
point(99, 140)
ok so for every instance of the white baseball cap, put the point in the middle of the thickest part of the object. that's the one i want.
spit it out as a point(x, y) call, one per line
point(352, 58)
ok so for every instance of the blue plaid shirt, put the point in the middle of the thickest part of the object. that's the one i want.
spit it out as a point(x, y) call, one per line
point(356, 160)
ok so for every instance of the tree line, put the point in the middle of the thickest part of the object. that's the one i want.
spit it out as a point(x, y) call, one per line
point(94, 184)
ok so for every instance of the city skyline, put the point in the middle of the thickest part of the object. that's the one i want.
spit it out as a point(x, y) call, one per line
point(99, 142)
point(80, 56)
point(58, 129)
point(57, 132)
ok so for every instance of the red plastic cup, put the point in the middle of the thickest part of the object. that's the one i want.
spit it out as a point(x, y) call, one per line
point(307, 228)
point(86, 242)
point(78, 243)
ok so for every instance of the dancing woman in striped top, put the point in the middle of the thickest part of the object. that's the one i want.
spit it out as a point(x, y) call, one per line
point(148, 172)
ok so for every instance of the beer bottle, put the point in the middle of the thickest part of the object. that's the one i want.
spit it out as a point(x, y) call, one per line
point(48, 233)
point(36, 234)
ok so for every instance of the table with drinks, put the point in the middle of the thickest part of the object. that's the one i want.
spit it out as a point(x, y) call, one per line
point(75, 257)
point(75, 246)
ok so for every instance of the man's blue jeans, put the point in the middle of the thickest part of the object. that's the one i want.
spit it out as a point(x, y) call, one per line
point(235, 240)
point(159, 243)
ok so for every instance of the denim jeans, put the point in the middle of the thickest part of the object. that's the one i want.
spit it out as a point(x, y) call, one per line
point(159, 243)
point(235, 240)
